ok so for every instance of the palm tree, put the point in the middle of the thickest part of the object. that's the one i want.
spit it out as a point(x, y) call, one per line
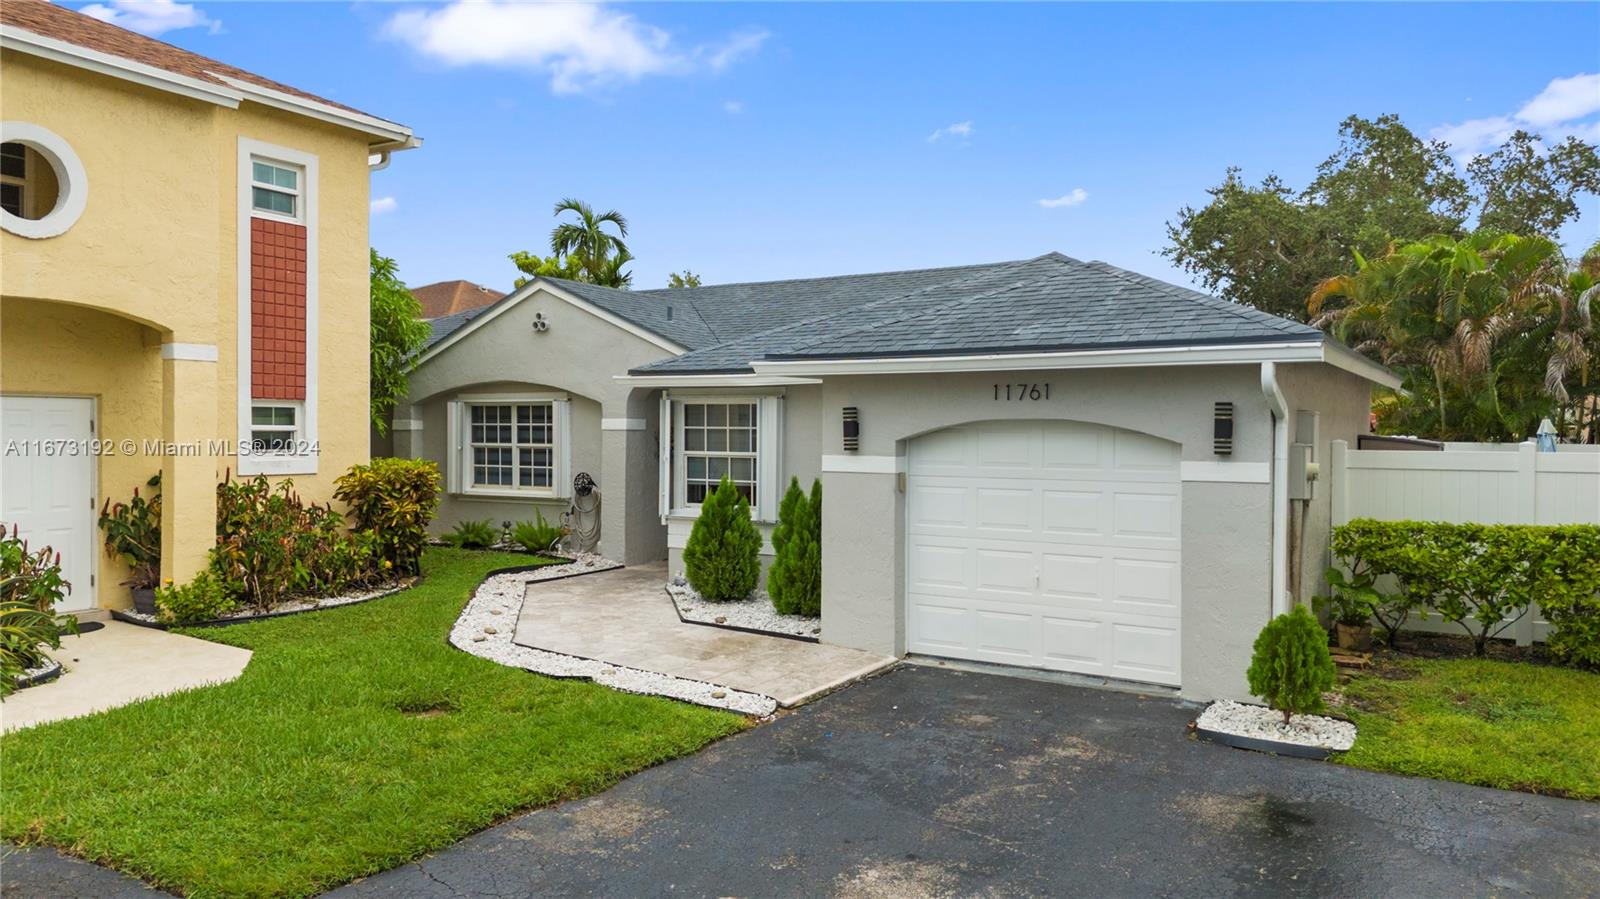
point(598, 253)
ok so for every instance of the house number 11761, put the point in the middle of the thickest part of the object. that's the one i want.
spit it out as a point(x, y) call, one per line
point(1020, 392)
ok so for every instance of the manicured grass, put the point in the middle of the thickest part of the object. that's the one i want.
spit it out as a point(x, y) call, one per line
point(308, 771)
point(1513, 725)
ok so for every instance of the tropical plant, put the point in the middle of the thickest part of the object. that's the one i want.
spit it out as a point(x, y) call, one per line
point(1486, 332)
point(795, 579)
point(393, 499)
point(25, 634)
point(205, 598)
point(472, 535)
point(1291, 667)
point(133, 534)
point(271, 545)
point(596, 250)
point(30, 576)
point(723, 555)
point(398, 332)
point(537, 536)
point(1353, 599)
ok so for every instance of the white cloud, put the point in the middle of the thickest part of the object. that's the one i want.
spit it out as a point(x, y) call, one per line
point(1073, 198)
point(151, 17)
point(1557, 112)
point(733, 107)
point(959, 129)
point(581, 45)
point(384, 205)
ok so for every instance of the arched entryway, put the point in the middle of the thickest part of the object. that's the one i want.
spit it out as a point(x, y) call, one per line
point(1046, 544)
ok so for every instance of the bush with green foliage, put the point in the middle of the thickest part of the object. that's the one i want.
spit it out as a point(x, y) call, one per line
point(795, 580)
point(133, 534)
point(271, 545)
point(203, 599)
point(1484, 577)
point(393, 499)
point(537, 536)
point(473, 535)
point(1291, 667)
point(30, 586)
point(723, 556)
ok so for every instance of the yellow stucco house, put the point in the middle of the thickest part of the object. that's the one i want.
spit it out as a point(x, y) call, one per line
point(183, 284)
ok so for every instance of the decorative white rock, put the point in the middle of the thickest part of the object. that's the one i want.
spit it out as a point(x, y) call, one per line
point(754, 613)
point(1261, 723)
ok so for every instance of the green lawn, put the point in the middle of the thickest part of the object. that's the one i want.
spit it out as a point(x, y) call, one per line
point(305, 772)
point(1513, 725)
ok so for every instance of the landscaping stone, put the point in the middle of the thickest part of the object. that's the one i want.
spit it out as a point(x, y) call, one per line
point(1257, 722)
point(304, 604)
point(754, 613)
point(508, 591)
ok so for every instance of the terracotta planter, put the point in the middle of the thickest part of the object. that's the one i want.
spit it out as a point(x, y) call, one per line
point(144, 600)
point(1356, 637)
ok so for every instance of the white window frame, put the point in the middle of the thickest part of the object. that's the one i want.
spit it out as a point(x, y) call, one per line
point(277, 464)
point(459, 464)
point(768, 453)
point(72, 183)
point(297, 192)
point(295, 432)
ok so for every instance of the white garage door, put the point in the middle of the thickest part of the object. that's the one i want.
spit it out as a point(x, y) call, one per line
point(47, 483)
point(1046, 544)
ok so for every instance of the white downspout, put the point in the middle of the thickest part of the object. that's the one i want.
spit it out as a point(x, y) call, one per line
point(1280, 485)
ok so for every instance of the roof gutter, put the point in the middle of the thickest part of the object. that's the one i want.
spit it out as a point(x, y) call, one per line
point(1280, 487)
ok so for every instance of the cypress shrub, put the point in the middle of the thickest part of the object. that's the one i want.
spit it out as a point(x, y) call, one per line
point(792, 498)
point(1291, 667)
point(795, 581)
point(723, 556)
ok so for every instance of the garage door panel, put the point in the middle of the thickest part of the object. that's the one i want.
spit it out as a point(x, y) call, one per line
point(1047, 544)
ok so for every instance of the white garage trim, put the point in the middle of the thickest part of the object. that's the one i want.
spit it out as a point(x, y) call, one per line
point(1046, 544)
point(864, 464)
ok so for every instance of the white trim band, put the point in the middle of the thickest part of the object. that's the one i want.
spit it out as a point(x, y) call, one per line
point(407, 424)
point(189, 352)
point(862, 464)
point(621, 424)
point(1226, 472)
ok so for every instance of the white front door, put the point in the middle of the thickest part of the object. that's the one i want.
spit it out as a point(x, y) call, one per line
point(1046, 544)
point(47, 484)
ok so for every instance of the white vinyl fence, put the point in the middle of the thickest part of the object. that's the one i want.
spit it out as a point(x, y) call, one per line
point(1486, 483)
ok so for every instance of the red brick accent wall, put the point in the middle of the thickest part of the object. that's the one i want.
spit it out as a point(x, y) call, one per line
point(277, 310)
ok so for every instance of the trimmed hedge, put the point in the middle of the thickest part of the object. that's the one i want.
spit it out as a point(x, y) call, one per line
point(1484, 577)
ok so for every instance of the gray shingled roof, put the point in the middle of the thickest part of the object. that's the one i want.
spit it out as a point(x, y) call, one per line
point(1050, 303)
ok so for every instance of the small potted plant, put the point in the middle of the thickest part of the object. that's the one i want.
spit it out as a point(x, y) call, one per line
point(133, 534)
point(1351, 606)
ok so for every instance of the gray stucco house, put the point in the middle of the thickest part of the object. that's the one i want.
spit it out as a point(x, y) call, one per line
point(1041, 473)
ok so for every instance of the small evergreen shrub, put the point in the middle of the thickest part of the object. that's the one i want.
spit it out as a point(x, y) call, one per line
point(795, 581)
point(723, 556)
point(393, 499)
point(792, 498)
point(537, 536)
point(1291, 667)
point(472, 535)
point(202, 599)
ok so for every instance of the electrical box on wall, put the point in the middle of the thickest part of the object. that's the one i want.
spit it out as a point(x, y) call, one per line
point(1300, 468)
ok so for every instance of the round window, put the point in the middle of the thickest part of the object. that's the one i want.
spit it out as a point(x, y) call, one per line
point(43, 188)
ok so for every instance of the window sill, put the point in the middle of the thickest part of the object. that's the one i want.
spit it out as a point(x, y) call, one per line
point(253, 465)
point(508, 494)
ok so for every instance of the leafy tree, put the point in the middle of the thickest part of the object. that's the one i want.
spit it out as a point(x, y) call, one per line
point(582, 250)
point(684, 279)
point(1291, 666)
point(398, 332)
point(1268, 245)
point(1489, 333)
point(795, 581)
point(723, 556)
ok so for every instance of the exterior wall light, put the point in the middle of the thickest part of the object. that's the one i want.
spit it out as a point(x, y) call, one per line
point(1222, 428)
point(852, 429)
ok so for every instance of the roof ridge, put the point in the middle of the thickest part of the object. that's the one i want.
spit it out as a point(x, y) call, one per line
point(902, 271)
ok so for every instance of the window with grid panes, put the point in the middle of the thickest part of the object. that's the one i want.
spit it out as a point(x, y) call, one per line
point(718, 439)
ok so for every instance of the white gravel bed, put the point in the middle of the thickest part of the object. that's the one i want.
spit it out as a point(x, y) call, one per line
point(26, 678)
point(303, 604)
point(754, 612)
point(489, 621)
point(1261, 723)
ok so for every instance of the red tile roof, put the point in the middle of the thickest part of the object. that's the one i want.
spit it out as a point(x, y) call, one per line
point(49, 20)
point(449, 297)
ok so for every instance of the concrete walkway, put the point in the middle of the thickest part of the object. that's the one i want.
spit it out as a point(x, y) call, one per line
point(116, 665)
point(624, 617)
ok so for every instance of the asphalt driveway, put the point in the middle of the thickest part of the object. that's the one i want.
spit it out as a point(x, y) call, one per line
point(934, 782)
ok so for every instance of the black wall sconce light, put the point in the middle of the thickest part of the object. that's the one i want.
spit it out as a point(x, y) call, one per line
point(1222, 429)
point(852, 429)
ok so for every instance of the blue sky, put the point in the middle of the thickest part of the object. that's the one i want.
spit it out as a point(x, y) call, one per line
point(755, 141)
